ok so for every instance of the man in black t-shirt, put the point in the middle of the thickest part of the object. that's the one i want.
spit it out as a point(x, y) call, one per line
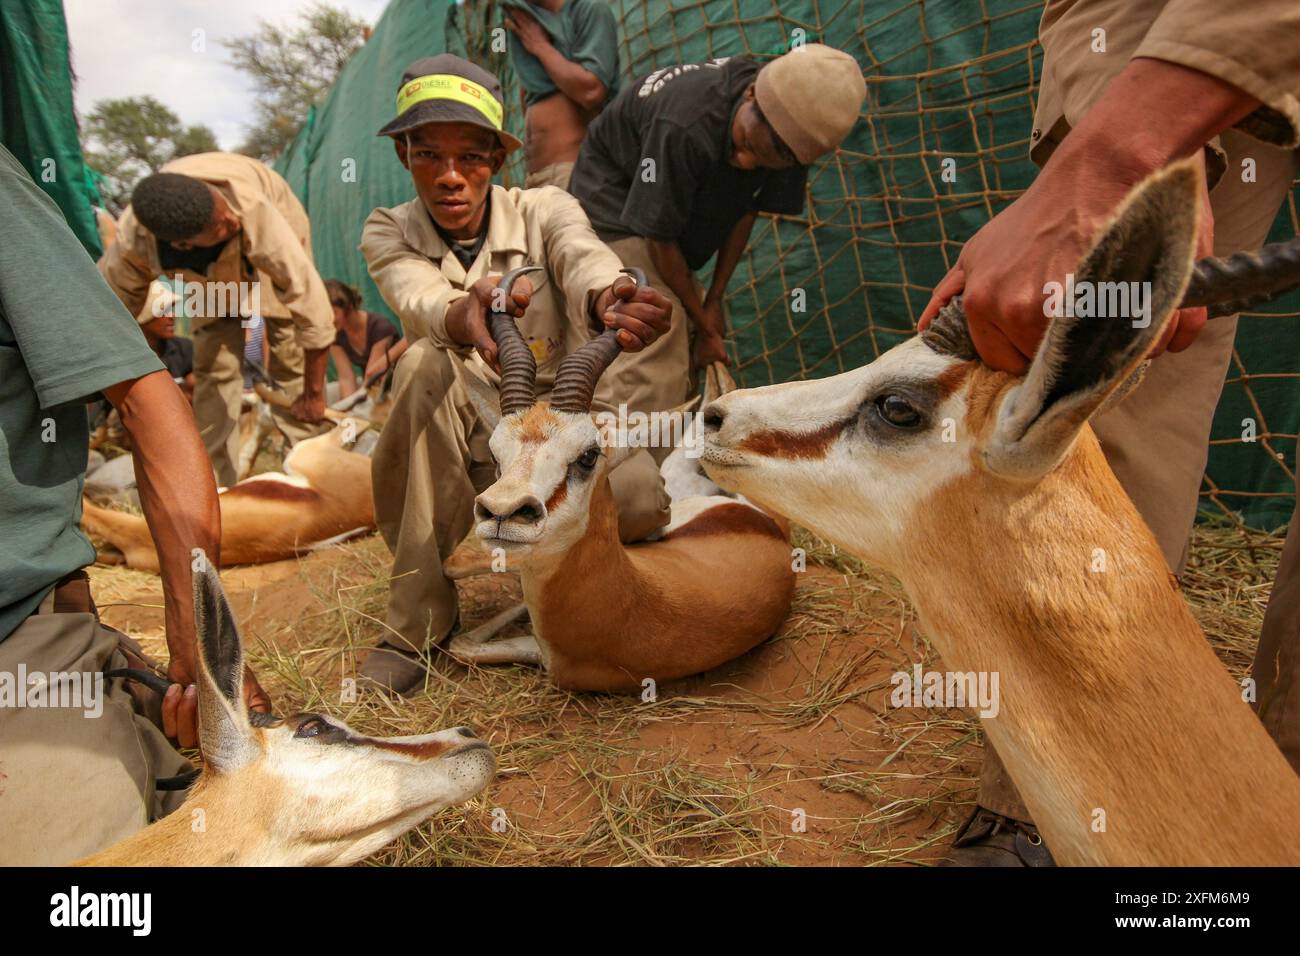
point(679, 165)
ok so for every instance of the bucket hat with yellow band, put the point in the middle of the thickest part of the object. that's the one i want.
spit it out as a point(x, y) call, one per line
point(449, 89)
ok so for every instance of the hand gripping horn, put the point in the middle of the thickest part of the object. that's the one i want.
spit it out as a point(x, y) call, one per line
point(575, 379)
point(518, 366)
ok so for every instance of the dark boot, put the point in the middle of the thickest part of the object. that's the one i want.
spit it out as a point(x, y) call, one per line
point(394, 670)
point(990, 839)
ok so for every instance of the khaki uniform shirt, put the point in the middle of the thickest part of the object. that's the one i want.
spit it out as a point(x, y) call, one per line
point(1254, 45)
point(420, 277)
point(273, 247)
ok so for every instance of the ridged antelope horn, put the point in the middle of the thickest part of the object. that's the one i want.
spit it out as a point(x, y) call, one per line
point(1245, 280)
point(575, 379)
point(518, 366)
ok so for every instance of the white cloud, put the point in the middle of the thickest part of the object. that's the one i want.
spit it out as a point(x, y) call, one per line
point(126, 48)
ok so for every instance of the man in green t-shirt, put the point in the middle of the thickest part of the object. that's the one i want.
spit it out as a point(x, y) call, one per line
point(565, 53)
point(78, 766)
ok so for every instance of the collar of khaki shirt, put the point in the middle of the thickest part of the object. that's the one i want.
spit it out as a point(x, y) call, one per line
point(506, 234)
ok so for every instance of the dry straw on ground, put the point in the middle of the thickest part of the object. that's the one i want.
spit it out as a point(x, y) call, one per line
point(789, 755)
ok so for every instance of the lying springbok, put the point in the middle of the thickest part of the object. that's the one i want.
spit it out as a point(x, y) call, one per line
point(989, 497)
point(304, 791)
point(324, 494)
point(607, 616)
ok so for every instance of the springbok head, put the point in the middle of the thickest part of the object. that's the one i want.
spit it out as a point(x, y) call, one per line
point(856, 456)
point(307, 789)
point(550, 454)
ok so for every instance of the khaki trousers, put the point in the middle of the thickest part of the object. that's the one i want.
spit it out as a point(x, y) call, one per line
point(219, 386)
point(71, 782)
point(1157, 443)
point(658, 378)
point(431, 461)
point(556, 174)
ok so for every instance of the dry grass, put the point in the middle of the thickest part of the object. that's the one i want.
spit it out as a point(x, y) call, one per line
point(710, 773)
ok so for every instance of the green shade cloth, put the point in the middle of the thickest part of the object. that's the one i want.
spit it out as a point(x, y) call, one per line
point(829, 289)
point(37, 122)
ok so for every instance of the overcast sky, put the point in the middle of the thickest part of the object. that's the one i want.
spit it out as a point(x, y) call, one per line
point(126, 48)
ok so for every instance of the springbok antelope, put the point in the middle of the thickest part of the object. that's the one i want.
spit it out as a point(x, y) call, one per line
point(1023, 556)
point(303, 791)
point(324, 494)
point(607, 616)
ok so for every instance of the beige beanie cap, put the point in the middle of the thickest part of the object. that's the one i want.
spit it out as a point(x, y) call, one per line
point(812, 96)
point(159, 301)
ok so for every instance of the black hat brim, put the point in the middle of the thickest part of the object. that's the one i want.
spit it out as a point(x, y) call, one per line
point(444, 111)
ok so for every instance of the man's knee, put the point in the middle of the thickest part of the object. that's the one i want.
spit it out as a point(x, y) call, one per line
point(643, 502)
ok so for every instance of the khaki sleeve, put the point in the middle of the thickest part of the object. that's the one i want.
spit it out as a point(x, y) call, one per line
point(274, 248)
point(580, 263)
point(126, 274)
point(1255, 46)
point(413, 286)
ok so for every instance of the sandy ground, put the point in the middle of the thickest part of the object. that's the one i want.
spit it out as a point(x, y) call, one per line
point(789, 754)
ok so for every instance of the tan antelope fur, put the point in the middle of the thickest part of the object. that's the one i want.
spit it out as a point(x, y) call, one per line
point(323, 493)
point(303, 791)
point(1023, 556)
point(607, 616)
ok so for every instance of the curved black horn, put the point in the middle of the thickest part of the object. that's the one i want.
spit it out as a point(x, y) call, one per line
point(575, 379)
point(518, 366)
point(1245, 280)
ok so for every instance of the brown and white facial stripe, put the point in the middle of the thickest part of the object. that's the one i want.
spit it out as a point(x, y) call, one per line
point(545, 457)
point(851, 456)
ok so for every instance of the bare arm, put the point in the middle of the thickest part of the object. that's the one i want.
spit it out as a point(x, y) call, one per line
point(729, 257)
point(310, 405)
point(1151, 113)
point(378, 360)
point(577, 83)
point(347, 377)
point(179, 498)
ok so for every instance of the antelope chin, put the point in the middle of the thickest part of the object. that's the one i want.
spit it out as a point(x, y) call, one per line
point(495, 535)
point(715, 457)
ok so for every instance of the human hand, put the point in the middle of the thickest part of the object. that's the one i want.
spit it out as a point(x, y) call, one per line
point(640, 313)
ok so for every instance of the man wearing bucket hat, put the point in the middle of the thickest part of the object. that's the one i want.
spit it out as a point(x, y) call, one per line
point(678, 166)
point(436, 260)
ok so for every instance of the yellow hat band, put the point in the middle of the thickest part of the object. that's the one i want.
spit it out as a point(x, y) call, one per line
point(448, 86)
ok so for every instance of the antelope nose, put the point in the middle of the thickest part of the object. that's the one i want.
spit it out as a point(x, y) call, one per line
point(526, 510)
point(466, 732)
point(714, 415)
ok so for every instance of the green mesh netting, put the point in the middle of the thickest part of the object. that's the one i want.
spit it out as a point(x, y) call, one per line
point(828, 291)
point(37, 122)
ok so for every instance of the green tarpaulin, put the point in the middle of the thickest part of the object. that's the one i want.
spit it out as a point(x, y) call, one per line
point(37, 122)
point(950, 87)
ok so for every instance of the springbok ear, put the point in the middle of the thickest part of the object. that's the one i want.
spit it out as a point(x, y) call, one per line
point(615, 451)
point(485, 399)
point(224, 729)
point(1140, 264)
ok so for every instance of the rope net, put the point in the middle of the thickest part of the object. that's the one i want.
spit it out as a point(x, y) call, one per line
point(943, 145)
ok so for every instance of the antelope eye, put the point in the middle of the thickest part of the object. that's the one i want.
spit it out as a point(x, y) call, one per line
point(312, 727)
point(897, 411)
point(587, 460)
